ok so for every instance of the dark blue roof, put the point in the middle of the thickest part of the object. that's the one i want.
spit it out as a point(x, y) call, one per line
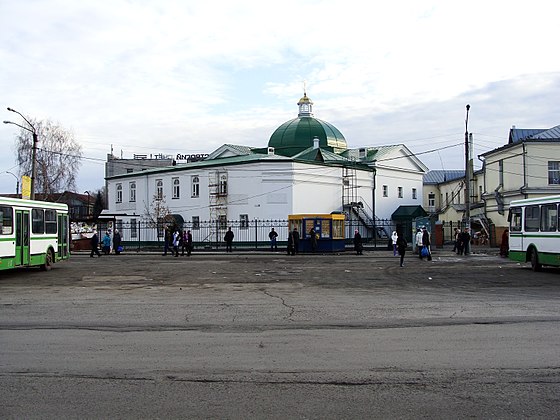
point(439, 176)
point(519, 134)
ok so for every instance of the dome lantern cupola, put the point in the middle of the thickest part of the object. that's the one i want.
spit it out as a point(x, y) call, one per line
point(305, 106)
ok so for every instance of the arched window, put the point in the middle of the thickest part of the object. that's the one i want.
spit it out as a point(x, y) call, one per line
point(176, 189)
point(132, 192)
point(119, 193)
point(159, 189)
point(195, 186)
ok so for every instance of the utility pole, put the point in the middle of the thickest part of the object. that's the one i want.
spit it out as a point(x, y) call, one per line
point(467, 175)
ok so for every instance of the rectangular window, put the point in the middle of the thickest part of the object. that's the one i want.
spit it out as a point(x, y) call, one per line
point(50, 221)
point(532, 218)
point(132, 189)
point(176, 189)
point(431, 200)
point(244, 221)
point(195, 186)
point(515, 219)
point(414, 194)
point(119, 193)
point(385, 191)
point(222, 186)
point(37, 221)
point(222, 220)
point(399, 192)
point(133, 229)
point(549, 218)
point(195, 222)
point(6, 220)
point(553, 173)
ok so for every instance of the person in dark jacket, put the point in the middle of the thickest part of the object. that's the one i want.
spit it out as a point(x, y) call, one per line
point(295, 234)
point(117, 242)
point(401, 246)
point(229, 239)
point(358, 246)
point(313, 240)
point(291, 250)
point(95, 245)
point(426, 243)
point(187, 243)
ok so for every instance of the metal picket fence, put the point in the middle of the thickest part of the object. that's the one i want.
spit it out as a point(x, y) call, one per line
point(248, 235)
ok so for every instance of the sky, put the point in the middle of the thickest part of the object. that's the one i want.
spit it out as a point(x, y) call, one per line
point(186, 76)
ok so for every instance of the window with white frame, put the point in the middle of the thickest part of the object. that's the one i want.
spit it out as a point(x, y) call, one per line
point(176, 188)
point(119, 193)
point(195, 222)
point(222, 220)
point(159, 189)
point(195, 182)
point(399, 192)
point(414, 194)
point(385, 191)
point(132, 191)
point(553, 172)
point(244, 221)
point(431, 200)
point(223, 185)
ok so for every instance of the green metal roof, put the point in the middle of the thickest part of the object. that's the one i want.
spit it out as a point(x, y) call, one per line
point(297, 135)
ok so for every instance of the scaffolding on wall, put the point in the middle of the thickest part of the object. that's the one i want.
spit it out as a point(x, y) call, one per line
point(218, 190)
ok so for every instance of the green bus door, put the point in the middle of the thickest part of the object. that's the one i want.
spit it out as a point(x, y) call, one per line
point(63, 237)
point(22, 237)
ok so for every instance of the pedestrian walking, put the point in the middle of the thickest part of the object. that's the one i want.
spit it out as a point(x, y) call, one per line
point(401, 247)
point(313, 240)
point(167, 240)
point(295, 234)
point(426, 245)
point(358, 246)
point(290, 248)
point(394, 238)
point(187, 243)
point(117, 247)
point(419, 242)
point(176, 240)
point(229, 239)
point(94, 241)
point(107, 243)
point(272, 236)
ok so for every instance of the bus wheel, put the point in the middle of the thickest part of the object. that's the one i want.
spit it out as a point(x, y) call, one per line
point(49, 261)
point(535, 264)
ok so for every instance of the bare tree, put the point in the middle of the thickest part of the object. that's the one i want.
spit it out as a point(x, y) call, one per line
point(157, 214)
point(58, 157)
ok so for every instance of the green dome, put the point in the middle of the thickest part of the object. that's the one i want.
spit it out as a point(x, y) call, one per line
point(296, 135)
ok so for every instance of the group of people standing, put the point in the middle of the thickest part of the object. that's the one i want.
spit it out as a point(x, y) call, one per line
point(462, 241)
point(109, 243)
point(175, 239)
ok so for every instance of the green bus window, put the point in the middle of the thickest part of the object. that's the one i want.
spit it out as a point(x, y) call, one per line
point(6, 220)
point(532, 218)
point(515, 219)
point(50, 221)
point(549, 217)
point(38, 221)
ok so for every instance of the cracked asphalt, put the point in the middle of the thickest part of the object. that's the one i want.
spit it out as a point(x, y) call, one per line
point(266, 335)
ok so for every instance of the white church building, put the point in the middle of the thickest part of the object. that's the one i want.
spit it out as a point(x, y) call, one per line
point(306, 168)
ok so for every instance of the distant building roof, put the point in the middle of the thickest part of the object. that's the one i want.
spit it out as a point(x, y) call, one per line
point(440, 176)
point(519, 134)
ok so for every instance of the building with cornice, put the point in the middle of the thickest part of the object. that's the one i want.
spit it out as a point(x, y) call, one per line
point(306, 168)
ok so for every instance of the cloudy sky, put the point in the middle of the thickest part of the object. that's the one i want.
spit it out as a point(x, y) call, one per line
point(187, 76)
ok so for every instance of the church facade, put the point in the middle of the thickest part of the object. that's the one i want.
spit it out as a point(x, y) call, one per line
point(306, 168)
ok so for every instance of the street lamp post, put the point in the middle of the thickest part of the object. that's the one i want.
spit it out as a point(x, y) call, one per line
point(17, 181)
point(33, 150)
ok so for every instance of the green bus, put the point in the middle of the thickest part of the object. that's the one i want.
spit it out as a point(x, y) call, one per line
point(533, 231)
point(33, 233)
